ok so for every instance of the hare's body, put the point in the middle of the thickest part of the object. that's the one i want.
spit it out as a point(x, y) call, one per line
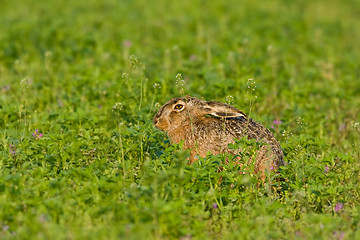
point(211, 126)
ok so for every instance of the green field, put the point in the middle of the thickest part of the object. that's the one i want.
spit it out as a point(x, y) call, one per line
point(80, 82)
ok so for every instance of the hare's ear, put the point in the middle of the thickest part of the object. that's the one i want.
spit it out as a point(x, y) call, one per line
point(220, 110)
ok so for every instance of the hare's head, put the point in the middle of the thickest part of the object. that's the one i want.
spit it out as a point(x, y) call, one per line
point(173, 114)
point(187, 110)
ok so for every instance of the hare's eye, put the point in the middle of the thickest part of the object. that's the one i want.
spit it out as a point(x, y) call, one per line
point(178, 106)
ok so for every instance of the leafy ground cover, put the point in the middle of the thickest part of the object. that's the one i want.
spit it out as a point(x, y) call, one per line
point(81, 81)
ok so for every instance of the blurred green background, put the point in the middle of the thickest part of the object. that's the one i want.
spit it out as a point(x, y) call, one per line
point(102, 171)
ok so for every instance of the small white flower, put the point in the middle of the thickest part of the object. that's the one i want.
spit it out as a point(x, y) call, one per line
point(229, 99)
point(24, 83)
point(133, 61)
point(180, 82)
point(355, 125)
point(125, 76)
point(157, 86)
point(48, 54)
point(117, 107)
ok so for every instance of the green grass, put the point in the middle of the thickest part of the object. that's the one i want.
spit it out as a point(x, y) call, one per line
point(102, 171)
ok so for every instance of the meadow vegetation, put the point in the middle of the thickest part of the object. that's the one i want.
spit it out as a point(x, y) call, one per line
point(81, 80)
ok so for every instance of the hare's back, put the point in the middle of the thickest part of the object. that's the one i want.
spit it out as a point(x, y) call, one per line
point(241, 127)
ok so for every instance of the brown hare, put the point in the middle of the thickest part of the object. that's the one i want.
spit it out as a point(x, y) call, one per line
point(211, 126)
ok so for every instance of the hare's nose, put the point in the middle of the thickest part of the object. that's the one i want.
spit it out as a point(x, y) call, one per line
point(156, 121)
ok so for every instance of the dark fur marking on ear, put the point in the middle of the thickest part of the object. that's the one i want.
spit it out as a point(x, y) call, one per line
point(241, 118)
point(212, 103)
point(222, 114)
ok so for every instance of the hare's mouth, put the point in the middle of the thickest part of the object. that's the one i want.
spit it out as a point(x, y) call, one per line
point(161, 125)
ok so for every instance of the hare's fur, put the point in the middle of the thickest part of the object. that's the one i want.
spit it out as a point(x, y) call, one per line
point(211, 126)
